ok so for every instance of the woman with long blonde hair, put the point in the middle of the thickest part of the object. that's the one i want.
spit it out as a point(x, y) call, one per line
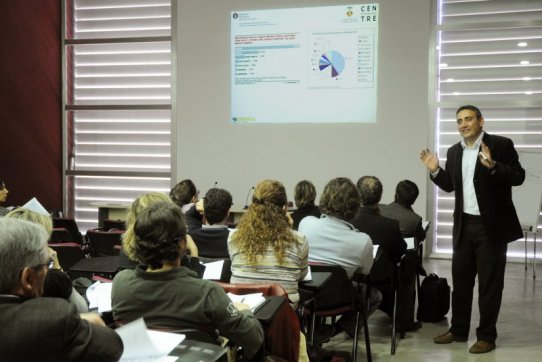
point(127, 257)
point(264, 248)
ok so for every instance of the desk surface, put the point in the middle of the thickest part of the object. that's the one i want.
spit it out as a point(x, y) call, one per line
point(318, 280)
point(269, 308)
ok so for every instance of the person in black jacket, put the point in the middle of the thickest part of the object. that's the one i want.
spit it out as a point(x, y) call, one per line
point(304, 196)
point(36, 328)
point(385, 233)
point(212, 237)
point(481, 170)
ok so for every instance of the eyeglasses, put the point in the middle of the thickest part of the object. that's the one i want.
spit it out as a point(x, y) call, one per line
point(50, 264)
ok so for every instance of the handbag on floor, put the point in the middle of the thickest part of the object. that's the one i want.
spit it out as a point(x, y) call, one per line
point(434, 300)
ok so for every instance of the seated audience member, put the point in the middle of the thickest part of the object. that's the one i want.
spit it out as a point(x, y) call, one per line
point(36, 328)
point(212, 237)
point(386, 234)
point(3, 196)
point(410, 223)
point(264, 248)
point(57, 283)
point(184, 194)
point(169, 295)
point(333, 240)
point(127, 257)
point(304, 196)
point(383, 231)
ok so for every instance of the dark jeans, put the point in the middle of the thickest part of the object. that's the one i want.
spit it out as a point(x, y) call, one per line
point(476, 254)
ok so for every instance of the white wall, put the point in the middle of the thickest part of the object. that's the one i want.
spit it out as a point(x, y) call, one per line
point(210, 148)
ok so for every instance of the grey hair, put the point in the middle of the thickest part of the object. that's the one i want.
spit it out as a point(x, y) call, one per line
point(22, 244)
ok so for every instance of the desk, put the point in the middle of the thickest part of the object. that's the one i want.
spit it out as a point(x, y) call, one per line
point(319, 279)
point(266, 312)
point(110, 211)
point(104, 266)
point(194, 351)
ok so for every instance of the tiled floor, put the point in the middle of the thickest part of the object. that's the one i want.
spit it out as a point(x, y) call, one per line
point(519, 326)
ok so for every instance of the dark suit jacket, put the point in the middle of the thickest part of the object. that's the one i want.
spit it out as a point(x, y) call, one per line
point(384, 232)
point(493, 190)
point(410, 223)
point(211, 242)
point(50, 329)
point(303, 212)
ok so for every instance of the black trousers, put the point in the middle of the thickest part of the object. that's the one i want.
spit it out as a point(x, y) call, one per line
point(476, 254)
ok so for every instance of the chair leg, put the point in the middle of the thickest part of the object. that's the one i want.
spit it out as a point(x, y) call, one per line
point(394, 324)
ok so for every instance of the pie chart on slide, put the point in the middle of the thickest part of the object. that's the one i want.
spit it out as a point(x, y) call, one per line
point(332, 62)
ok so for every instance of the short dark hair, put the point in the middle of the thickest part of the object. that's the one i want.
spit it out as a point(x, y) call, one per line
point(340, 199)
point(2, 184)
point(158, 230)
point(304, 194)
point(406, 193)
point(370, 190)
point(470, 108)
point(183, 192)
point(216, 205)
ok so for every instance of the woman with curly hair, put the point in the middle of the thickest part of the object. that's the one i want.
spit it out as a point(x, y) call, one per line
point(264, 248)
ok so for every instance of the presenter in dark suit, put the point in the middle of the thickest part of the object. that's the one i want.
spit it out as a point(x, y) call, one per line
point(481, 169)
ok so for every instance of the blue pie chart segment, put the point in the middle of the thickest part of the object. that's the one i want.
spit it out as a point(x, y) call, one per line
point(333, 62)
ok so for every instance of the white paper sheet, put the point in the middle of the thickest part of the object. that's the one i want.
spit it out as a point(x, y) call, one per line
point(99, 296)
point(410, 243)
point(253, 300)
point(34, 205)
point(213, 270)
point(141, 344)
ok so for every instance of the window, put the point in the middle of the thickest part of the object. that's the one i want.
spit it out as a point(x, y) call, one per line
point(489, 54)
point(117, 103)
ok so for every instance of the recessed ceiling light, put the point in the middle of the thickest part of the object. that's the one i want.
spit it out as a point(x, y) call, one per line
point(529, 93)
point(524, 62)
point(450, 80)
point(527, 78)
point(443, 65)
point(522, 44)
point(456, 93)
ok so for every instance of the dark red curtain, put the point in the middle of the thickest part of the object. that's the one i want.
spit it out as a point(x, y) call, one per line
point(30, 101)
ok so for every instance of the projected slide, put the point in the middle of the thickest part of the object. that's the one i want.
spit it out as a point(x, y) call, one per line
point(316, 65)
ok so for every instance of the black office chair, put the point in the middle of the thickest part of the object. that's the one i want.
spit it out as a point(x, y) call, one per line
point(61, 235)
point(110, 224)
point(68, 253)
point(70, 225)
point(337, 296)
point(104, 243)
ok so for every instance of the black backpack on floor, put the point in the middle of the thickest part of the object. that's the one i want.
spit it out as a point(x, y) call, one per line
point(434, 301)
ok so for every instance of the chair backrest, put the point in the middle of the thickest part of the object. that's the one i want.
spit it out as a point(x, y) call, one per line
point(283, 332)
point(68, 254)
point(110, 224)
point(70, 225)
point(61, 235)
point(336, 291)
point(104, 243)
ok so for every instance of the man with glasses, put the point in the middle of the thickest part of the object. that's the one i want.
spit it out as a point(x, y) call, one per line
point(44, 329)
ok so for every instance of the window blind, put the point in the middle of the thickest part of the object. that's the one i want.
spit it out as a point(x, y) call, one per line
point(489, 54)
point(117, 61)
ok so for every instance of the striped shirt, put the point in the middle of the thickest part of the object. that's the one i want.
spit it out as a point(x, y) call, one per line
point(268, 270)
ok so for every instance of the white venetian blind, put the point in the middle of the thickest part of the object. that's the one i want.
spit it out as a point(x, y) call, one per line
point(117, 61)
point(489, 54)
